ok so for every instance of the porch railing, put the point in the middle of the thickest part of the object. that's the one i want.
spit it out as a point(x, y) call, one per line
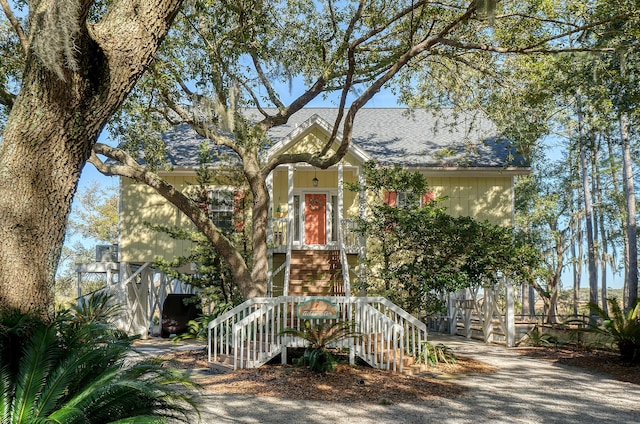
point(350, 236)
point(251, 334)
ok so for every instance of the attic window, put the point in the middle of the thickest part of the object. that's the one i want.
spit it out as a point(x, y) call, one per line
point(221, 208)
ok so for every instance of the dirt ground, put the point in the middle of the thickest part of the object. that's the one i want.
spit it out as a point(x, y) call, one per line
point(599, 361)
point(364, 384)
point(346, 384)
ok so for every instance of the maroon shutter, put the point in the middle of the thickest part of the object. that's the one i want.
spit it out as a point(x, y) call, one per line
point(238, 210)
point(428, 197)
point(391, 198)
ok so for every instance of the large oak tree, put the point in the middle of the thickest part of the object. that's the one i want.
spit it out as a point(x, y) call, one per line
point(72, 65)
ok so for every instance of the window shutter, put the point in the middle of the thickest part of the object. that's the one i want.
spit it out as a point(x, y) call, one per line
point(428, 197)
point(238, 209)
point(391, 198)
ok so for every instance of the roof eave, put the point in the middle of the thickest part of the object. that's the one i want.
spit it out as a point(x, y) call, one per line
point(511, 171)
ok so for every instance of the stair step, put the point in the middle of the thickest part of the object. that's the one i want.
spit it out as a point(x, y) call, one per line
point(415, 369)
point(315, 273)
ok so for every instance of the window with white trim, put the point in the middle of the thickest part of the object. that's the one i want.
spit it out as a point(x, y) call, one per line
point(221, 208)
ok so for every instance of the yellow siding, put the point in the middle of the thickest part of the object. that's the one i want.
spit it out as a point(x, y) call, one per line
point(483, 198)
point(140, 203)
point(314, 139)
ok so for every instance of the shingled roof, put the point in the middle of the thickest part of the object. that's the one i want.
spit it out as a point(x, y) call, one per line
point(416, 138)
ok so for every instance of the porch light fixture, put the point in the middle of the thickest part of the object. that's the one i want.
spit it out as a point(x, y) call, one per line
point(315, 178)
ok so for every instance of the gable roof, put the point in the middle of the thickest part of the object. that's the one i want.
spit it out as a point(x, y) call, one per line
point(417, 138)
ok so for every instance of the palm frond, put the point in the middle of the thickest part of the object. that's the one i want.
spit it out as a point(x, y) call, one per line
point(79, 372)
point(7, 390)
point(324, 333)
point(74, 368)
point(38, 359)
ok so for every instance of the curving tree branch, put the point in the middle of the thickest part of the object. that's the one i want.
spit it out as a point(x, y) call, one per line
point(22, 36)
point(127, 167)
point(6, 98)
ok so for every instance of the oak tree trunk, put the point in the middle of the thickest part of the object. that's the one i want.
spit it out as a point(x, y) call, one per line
point(52, 126)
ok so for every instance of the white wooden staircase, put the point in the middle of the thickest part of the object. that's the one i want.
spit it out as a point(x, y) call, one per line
point(250, 334)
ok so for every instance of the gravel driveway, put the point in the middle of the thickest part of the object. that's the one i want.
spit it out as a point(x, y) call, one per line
point(523, 390)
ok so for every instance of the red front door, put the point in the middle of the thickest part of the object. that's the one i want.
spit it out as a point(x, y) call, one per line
point(315, 218)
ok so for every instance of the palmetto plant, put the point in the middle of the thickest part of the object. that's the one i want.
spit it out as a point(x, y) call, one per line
point(97, 308)
point(623, 328)
point(197, 329)
point(535, 337)
point(79, 372)
point(319, 337)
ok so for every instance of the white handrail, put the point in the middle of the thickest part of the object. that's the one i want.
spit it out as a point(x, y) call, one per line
point(379, 352)
point(252, 331)
point(222, 326)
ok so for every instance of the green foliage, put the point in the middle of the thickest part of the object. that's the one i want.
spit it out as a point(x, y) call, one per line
point(317, 360)
point(319, 336)
point(434, 305)
point(322, 334)
point(537, 338)
point(198, 329)
point(623, 328)
point(95, 214)
point(423, 251)
point(97, 308)
point(77, 370)
point(432, 355)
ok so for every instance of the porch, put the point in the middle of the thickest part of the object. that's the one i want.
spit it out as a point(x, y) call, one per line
point(313, 244)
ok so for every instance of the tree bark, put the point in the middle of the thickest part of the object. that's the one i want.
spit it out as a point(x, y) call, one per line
point(627, 170)
point(591, 257)
point(576, 239)
point(623, 220)
point(257, 178)
point(598, 224)
point(51, 129)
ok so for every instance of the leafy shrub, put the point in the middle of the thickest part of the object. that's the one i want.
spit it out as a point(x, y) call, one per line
point(623, 328)
point(196, 329)
point(318, 360)
point(537, 338)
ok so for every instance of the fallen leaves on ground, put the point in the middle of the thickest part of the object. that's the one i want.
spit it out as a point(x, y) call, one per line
point(346, 384)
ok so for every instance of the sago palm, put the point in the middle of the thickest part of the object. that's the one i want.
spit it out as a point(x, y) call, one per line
point(623, 328)
point(319, 337)
point(81, 373)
